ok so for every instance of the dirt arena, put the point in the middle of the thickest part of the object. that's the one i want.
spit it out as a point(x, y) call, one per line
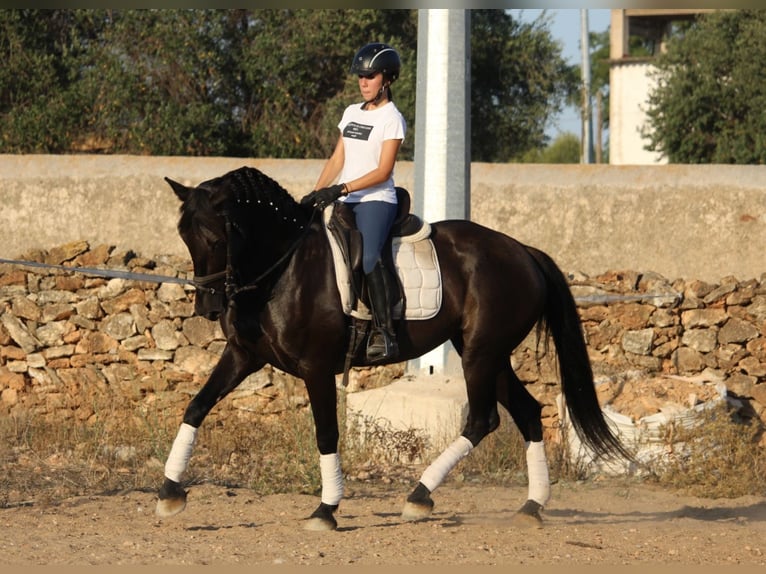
point(609, 522)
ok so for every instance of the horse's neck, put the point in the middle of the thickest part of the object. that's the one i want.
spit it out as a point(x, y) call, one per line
point(263, 250)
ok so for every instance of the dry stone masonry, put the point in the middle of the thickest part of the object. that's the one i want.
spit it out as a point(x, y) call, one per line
point(70, 343)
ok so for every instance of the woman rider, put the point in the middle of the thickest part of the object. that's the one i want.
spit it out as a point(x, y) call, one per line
point(371, 133)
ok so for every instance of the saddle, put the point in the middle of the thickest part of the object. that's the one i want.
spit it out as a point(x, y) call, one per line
point(341, 226)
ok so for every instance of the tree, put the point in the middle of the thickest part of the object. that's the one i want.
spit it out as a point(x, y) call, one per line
point(40, 49)
point(519, 80)
point(708, 103)
point(252, 83)
point(160, 82)
point(295, 75)
point(600, 67)
point(130, 81)
point(600, 70)
point(564, 149)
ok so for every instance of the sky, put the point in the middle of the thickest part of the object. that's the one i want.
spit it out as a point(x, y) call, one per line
point(565, 27)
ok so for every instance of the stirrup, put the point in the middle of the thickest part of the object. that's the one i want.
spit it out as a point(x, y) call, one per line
point(381, 346)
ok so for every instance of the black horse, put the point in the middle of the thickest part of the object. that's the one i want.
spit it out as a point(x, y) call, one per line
point(263, 266)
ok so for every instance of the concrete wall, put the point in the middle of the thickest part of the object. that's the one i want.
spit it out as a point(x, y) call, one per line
point(703, 222)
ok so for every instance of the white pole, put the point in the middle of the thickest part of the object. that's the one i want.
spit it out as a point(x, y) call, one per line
point(443, 134)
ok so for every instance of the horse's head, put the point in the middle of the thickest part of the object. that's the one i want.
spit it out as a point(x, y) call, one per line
point(236, 227)
point(203, 229)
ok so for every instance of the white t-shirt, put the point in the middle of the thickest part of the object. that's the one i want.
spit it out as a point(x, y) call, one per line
point(364, 132)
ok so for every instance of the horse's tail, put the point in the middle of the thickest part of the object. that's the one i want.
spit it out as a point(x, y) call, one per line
point(563, 323)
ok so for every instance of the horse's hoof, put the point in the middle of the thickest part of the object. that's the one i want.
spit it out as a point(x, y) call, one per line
point(172, 499)
point(528, 516)
point(419, 505)
point(170, 507)
point(414, 511)
point(320, 524)
point(322, 519)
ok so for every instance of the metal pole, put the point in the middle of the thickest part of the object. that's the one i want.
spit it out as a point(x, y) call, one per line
point(587, 127)
point(442, 135)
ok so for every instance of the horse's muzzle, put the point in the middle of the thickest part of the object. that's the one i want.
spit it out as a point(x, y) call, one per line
point(212, 315)
point(209, 305)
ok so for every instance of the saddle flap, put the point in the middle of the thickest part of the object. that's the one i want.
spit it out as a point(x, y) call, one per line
point(417, 268)
point(343, 227)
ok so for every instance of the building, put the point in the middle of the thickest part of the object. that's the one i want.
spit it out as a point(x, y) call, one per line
point(629, 77)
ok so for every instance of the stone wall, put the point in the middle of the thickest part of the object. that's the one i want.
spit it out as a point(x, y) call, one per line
point(70, 342)
point(660, 345)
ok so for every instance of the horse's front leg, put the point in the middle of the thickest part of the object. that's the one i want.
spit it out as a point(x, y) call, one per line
point(227, 374)
point(323, 396)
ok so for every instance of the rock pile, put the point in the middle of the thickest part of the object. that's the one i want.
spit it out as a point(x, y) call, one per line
point(70, 342)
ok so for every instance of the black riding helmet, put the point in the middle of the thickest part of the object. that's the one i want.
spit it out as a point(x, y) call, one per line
point(377, 57)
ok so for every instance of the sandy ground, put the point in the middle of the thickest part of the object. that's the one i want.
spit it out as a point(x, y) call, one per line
point(602, 522)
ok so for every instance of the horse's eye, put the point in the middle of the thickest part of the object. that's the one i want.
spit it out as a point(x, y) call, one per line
point(211, 239)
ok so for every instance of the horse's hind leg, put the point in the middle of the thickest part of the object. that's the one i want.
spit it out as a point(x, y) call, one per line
point(482, 420)
point(525, 411)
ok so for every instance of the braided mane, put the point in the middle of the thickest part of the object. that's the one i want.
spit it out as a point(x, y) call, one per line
point(256, 204)
point(250, 198)
point(265, 221)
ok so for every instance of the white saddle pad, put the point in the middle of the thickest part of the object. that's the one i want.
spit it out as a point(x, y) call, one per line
point(416, 265)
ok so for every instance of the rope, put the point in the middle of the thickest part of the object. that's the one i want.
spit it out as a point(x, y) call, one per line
point(113, 273)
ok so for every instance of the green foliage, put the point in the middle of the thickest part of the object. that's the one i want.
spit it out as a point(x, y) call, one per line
point(167, 90)
point(708, 103)
point(518, 80)
point(564, 149)
point(134, 81)
point(295, 69)
point(252, 83)
point(40, 49)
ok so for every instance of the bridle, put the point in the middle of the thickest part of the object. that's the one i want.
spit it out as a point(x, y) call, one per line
point(231, 288)
point(205, 283)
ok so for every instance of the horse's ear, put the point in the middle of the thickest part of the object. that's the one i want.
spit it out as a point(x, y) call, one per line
point(180, 189)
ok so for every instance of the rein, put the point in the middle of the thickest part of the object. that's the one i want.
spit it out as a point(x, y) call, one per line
point(230, 285)
point(200, 282)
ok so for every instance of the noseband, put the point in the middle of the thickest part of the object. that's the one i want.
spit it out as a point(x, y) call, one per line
point(203, 282)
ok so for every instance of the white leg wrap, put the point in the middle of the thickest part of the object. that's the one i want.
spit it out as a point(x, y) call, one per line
point(332, 478)
point(537, 470)
point(435, 474)
point(179, 456)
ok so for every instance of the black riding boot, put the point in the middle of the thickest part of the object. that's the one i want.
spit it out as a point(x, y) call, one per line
point(381, 345)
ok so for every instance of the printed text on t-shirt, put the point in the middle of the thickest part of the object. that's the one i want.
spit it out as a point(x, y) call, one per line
point(357, 131)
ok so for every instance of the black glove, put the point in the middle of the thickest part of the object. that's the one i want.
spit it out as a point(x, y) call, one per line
point(308, 199)
point(325, 196)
